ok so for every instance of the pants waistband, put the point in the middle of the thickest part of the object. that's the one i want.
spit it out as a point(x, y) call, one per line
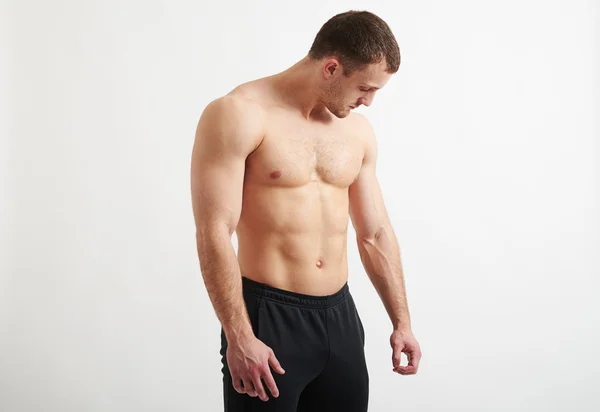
point(294, 298)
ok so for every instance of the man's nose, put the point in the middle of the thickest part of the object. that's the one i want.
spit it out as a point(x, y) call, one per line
point(364, 101)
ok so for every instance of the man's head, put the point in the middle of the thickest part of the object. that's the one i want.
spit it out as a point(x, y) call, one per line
point(357, 54)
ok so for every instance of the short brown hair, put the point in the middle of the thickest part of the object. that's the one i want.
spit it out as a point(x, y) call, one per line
point(357, 38)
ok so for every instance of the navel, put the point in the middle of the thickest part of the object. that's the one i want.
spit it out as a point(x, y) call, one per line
point(319, 263)
point(275, 175)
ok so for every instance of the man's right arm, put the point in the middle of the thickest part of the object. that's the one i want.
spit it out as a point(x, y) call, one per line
point(228, 131)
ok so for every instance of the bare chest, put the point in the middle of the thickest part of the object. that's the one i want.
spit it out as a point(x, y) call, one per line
point(294, 153)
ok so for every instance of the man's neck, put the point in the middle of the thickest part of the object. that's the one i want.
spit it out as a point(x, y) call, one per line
point(299, 87)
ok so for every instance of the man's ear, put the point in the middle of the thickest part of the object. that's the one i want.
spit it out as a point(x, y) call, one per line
point(330, 67)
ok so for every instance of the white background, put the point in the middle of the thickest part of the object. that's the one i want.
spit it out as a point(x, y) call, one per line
point(488, 140)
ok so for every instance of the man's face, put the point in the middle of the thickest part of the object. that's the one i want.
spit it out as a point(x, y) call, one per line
point(346, 93)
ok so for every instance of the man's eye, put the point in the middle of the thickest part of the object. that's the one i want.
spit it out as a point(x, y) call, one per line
point(362, 89)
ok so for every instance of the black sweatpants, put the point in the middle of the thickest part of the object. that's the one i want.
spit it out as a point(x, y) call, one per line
point(318, 340)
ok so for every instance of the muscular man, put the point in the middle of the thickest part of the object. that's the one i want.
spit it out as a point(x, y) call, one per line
point(284, 163)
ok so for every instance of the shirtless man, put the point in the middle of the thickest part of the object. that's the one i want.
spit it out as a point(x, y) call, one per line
point(284, 163)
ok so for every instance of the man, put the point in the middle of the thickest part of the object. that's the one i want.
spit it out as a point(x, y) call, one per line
point(284, 163)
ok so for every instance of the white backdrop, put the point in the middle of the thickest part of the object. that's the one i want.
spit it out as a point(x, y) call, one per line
point(486, 139)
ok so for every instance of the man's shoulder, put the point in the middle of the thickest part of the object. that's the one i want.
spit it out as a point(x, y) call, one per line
point(237, 101)
point(242, 105)
point(361, 124)
point(253, 93)
point(359, 120)
point(233, 119)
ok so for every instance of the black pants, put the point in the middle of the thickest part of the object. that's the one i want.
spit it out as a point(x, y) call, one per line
point(318, 340)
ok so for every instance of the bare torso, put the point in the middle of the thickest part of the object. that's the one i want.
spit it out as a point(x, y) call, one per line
point(292, 232)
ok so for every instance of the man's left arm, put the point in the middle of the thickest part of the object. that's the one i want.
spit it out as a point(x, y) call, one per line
point(380, 253)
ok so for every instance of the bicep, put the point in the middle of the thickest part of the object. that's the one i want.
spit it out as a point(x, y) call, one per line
point(224, 138)
point(216, 189)
point(367, 210)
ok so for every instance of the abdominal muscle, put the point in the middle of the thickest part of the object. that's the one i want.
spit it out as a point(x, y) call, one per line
point(295, 238)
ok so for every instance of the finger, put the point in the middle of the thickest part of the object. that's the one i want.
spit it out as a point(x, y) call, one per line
point(275, 363)
point(408, 369)
point(249, 387)
point(413, 360)
point(405, 370)
point(237, 385)
point(258, 386)
point(396, 358)
point(270, 382)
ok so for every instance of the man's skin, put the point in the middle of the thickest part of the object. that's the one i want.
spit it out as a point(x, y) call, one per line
point(284, 163)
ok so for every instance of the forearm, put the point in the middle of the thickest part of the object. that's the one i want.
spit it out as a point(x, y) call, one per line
point(380, 256)
point(222, 278)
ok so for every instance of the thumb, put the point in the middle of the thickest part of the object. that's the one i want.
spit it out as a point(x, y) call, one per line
point(275, 363)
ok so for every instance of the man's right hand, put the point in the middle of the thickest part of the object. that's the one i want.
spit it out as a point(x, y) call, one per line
point(248, 360)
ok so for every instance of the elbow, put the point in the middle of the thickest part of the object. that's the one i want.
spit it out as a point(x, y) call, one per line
point(369, 237)
point(213, 232)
